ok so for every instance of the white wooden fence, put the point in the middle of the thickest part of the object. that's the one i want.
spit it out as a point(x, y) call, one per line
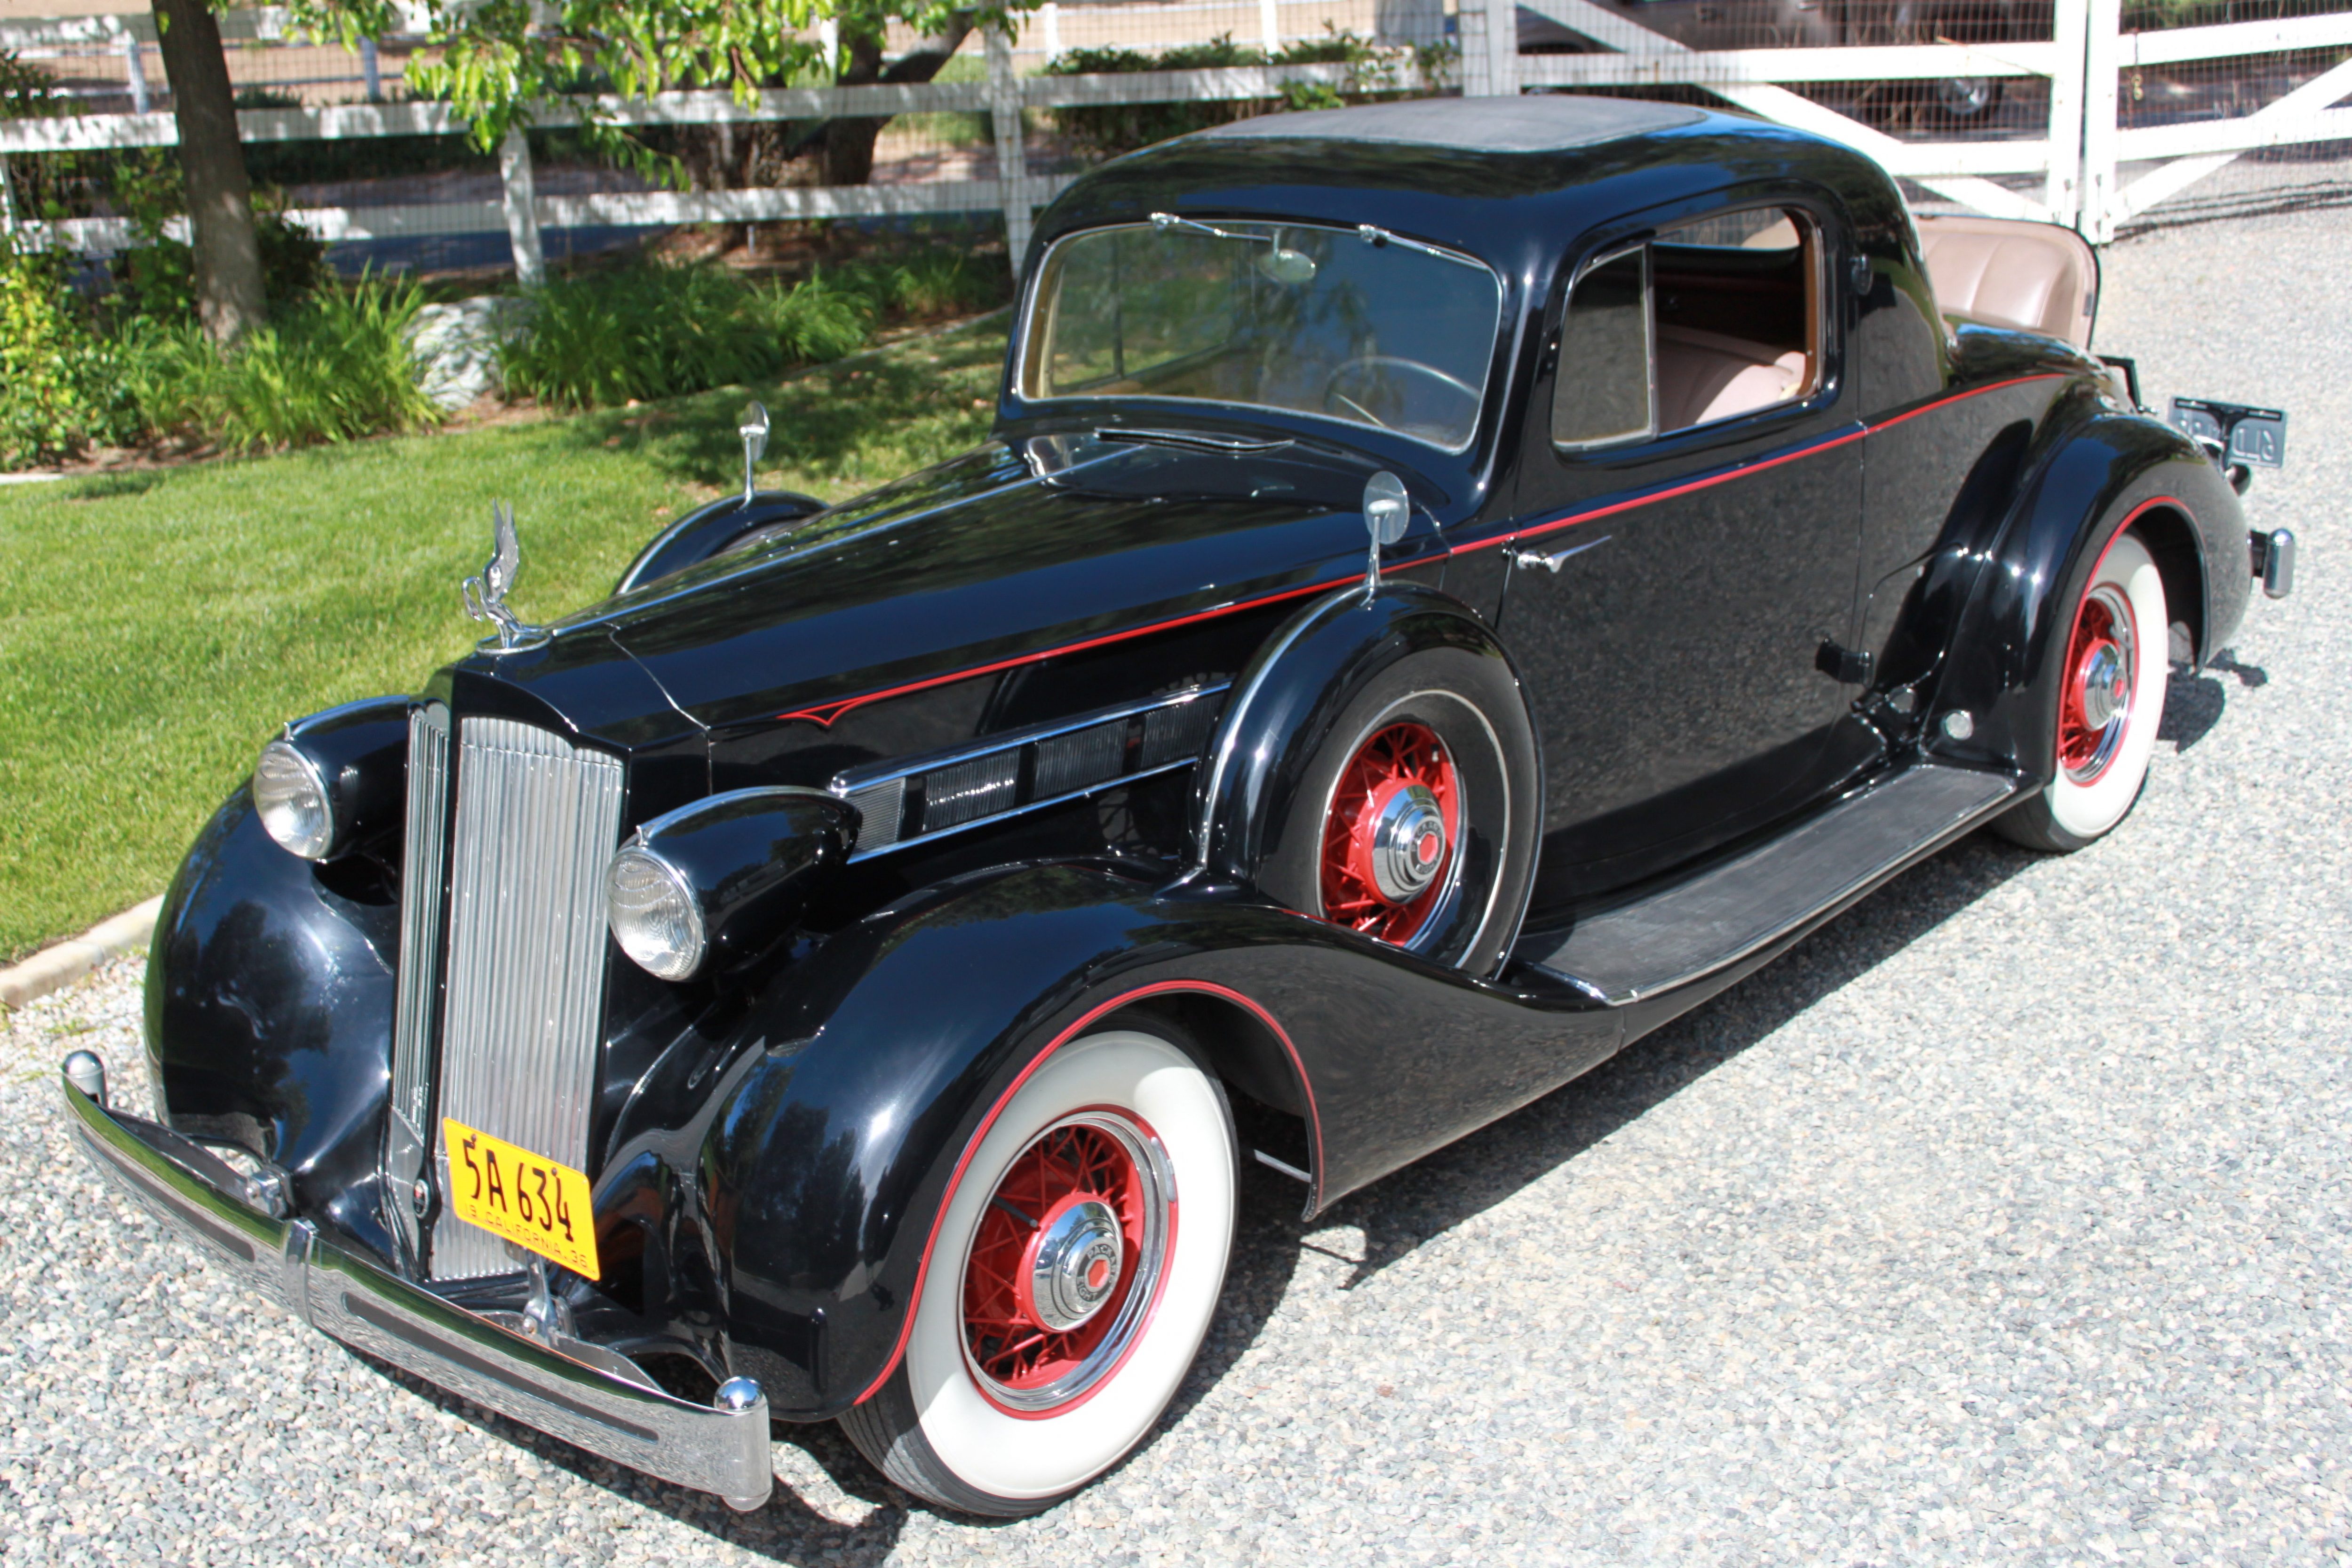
point(2071, 175)
point(2079, 157)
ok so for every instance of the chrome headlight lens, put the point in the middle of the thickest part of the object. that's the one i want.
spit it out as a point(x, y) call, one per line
point(292, 800)
point(654, 913)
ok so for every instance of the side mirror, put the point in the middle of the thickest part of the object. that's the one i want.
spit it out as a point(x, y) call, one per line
point(754, 431)
point(1388, 511)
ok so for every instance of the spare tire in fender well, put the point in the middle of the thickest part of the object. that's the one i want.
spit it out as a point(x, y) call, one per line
point(1287, 699)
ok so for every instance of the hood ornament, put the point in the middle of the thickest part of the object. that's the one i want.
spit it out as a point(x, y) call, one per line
point(485, 595)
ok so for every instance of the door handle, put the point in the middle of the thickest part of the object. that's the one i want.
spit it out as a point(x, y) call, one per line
point(1552, 562)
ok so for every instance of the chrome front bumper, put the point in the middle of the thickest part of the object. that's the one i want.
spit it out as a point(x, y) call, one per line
point(370, 1309)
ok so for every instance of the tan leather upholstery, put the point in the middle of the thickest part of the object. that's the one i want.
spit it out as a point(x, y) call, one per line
point(2007, 273)
point(1705, 376)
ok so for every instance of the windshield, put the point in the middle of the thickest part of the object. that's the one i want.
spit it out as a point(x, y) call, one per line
point(1356, 325)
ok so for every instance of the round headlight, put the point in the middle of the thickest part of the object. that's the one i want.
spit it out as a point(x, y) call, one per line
point(292, 800)
point(655, 916)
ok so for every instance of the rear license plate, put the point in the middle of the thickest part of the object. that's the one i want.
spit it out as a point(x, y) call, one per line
point(532, 1201)
point(2255, 437)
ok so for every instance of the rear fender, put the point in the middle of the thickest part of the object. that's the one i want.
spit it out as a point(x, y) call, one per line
point(2099, 471)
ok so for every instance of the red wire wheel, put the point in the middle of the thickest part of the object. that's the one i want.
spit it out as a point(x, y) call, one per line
point(1390, 834)
point(1066, 1262)
point(2095, 704)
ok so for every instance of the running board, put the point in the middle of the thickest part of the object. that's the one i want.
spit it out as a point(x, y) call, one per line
point(1694, 928)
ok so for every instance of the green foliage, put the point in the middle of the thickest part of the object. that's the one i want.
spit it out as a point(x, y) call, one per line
point(335, 366)
point(157, 280)
point(652, 330)
point(156, 627)
point(60, 387)
point(494, 60)
point(1109, 129)
point(54, 185)
point(932, 282)
point(656, 330)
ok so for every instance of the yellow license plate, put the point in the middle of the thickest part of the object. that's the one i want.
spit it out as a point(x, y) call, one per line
point(513, 1192)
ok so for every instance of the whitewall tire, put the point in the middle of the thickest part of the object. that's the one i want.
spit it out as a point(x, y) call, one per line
point(1070, 1280)
point(2111, 674)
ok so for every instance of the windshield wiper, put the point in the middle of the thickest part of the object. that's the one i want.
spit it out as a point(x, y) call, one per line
point(1194, 226)
point(1195, 440)
point(1377, 236)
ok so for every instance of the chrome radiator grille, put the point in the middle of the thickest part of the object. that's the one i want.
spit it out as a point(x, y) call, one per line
point(421, 866)
point(536, 820)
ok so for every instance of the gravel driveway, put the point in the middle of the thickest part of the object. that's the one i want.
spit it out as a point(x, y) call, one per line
point(2004, 1221)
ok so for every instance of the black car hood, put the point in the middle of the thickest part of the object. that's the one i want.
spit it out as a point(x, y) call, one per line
point(992, 557)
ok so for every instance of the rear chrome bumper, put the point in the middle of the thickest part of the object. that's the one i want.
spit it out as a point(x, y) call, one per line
point(370, 1309)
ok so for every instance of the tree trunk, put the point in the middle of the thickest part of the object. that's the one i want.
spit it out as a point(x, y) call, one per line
point(849, 143)
point(230, 298)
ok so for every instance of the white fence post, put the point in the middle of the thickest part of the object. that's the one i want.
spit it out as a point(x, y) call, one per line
point(2101, 59)
point(2068, 77)
point(1490, 48)
point(521, 197)
point(135, 72)
point(1269, 27)
point(1050, 14)
point(1011, 156)
point(7, 202)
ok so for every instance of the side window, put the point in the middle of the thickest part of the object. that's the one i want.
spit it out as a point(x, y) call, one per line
point(1603, 392)
point(1731, 322)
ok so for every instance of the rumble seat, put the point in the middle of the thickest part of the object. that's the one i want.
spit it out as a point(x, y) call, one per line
point(2005, 273)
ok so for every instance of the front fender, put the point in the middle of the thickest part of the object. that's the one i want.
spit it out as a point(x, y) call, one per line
point(870, 1067)
point(2099, 471)
point(269, 1003)
point(1285, 702)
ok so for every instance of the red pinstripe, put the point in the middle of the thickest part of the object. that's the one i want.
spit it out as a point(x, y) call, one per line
point(1158, 988)
point(826, 714)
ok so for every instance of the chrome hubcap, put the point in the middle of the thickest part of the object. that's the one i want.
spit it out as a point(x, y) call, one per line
point(1077, 1264)
point(1408, 844)
point(2104, 693)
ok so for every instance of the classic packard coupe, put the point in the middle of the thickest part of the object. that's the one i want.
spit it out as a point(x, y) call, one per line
point(1451, 586)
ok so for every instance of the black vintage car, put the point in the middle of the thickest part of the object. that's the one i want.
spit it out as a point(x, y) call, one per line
point(1452, 585)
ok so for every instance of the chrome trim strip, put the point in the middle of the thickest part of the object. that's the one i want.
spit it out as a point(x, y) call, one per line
point(1024, 810)
point(858, 778)
point(537, 820)
point(355, 1300)
point(877, 791)
point(424, 864)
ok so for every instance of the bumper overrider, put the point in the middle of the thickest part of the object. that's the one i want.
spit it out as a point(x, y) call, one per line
point(719, 1449)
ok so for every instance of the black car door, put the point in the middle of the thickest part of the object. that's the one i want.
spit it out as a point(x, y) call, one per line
point(1685, 543)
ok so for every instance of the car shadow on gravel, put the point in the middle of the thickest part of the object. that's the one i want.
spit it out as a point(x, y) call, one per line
point(788, 1529)
point(1469, 1177)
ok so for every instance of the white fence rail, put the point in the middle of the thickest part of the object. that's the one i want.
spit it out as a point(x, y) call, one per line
point(2072, 173)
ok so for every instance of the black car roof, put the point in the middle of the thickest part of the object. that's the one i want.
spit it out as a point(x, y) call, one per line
point(1511, 180)
point(1550, 123)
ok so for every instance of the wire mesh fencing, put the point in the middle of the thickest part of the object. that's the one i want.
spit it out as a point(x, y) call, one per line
point(2102, 113)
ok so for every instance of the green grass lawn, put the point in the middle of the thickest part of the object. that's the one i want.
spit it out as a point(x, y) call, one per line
point(156, 628)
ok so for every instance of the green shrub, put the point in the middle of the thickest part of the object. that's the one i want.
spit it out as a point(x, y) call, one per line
point(60, 387)
point(935, 281)
point(814, 321)
point(157, 279)
point(335, 366)
point(659, 331)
